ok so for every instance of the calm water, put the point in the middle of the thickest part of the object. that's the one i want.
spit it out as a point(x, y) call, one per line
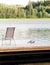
point(26, 30)
point(41, 36)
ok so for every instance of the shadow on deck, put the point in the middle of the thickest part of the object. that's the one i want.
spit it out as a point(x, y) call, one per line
point(8, 58)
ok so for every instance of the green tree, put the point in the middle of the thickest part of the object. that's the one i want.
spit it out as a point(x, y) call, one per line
point(21, 13)
point(47, 10)
point(29, 10)
point(40, 14)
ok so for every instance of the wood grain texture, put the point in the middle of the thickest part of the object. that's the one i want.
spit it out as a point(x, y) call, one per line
point(36, 64)
point(18, 49)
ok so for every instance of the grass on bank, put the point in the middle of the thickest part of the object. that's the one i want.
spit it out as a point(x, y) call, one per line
point(24, 18)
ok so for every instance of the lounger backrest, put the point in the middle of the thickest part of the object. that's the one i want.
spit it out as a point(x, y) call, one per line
point(10, 32)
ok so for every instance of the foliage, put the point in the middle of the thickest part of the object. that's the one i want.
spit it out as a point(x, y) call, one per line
point(48, 10)
point(40, 9)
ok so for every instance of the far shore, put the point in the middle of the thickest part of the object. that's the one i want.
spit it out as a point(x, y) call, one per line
point(24, 18)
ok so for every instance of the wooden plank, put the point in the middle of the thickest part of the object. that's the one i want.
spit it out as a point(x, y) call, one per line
point(18, 49)
point(45, 63)
point(25, 57)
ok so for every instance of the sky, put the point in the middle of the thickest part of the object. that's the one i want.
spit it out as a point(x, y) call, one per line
point(19, 2)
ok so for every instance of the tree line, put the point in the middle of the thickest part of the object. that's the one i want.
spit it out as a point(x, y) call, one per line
point(40, 9)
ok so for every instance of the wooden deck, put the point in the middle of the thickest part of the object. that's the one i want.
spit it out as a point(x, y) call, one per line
point(18, 49)
point(45, 63)
point(25, 55)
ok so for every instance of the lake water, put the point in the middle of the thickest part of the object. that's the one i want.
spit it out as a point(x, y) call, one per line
point(26, 30)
